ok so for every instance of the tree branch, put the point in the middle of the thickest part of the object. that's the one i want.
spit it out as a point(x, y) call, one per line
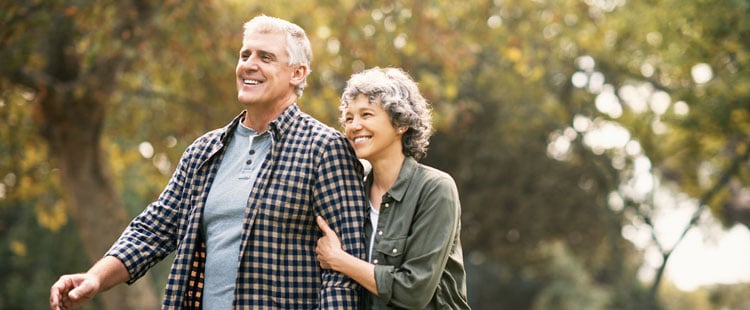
point(704, 200)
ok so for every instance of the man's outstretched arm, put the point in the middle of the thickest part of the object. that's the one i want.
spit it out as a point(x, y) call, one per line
point(73, 290)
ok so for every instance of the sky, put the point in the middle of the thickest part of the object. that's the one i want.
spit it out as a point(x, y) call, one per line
point(710, 255)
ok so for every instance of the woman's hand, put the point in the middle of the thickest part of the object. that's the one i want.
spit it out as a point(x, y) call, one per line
point(332, 256)
point(328, 248)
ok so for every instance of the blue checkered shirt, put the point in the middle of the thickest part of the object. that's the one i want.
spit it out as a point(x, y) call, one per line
point(311, 170)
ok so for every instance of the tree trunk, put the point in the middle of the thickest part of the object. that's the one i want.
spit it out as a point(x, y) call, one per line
point(71, 94)
point(71, 123)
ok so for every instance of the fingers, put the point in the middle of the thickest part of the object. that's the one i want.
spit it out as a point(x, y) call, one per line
point(322, 259)
point(58, 293)
point(327, 247)
point(323, 225)
point(71, 291)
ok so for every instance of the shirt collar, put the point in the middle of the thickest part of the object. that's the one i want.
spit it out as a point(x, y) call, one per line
point(278, 127)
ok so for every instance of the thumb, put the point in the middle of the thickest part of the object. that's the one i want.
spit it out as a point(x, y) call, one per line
point(323, 225)
point(82, 291)
point(78, 292)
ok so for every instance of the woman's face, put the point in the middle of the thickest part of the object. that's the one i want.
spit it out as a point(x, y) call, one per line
point(368, 128)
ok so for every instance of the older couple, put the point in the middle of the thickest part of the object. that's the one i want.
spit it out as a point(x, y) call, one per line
point(271, 211)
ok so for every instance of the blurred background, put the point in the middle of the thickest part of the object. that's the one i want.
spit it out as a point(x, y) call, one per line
point(601, 147)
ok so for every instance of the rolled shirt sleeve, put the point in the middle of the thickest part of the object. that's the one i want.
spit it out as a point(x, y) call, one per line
point(154, 233)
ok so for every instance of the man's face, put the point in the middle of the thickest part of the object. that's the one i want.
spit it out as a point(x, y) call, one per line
point(264, 76)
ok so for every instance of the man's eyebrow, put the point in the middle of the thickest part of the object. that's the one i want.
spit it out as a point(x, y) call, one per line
point(259, 51)
point(266, 53)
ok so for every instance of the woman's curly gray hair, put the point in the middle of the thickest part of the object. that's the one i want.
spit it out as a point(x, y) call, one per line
point(399, 96)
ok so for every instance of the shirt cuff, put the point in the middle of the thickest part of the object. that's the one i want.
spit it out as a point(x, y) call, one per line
point(384, 282)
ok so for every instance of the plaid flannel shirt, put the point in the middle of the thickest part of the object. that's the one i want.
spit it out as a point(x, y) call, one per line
point(311, 170)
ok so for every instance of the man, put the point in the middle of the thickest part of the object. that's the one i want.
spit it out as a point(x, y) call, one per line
point(241, 205)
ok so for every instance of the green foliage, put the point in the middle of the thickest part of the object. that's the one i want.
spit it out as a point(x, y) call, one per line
point(674, 299)
point(662, 52)
point(729, 296)
point(28, 269)
point(570, 286)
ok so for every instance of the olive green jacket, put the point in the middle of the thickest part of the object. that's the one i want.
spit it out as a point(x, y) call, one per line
point(417, 247)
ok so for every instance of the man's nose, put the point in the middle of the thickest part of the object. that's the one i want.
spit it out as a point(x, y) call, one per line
point(251, 63)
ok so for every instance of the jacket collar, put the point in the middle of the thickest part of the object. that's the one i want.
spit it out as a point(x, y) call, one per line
point(405, 175)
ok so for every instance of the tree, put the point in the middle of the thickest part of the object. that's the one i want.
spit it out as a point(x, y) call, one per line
point(675, 83)
point(70, 60)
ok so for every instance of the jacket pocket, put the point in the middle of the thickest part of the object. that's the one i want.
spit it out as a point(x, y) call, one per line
point(392, 250)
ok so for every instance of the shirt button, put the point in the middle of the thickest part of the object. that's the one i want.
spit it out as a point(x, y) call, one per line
point(386, 205)
point(394, 251)
point(252, 152)
point(375, 261)
point(249, 161)
point(380, 233)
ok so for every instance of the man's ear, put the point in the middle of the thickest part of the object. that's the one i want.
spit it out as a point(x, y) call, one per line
point(299, 74)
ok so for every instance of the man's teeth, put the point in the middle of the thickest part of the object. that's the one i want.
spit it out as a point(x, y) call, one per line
point(361, 139)
point(250, 82)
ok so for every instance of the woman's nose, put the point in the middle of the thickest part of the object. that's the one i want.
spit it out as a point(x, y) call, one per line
point(356, 124)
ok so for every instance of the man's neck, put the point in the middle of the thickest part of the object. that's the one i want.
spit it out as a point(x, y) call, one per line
point(258, 118)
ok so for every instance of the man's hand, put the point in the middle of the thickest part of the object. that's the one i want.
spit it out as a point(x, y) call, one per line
point(73, 290)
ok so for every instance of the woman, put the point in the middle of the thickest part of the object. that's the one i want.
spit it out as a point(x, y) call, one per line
point(414, 258)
